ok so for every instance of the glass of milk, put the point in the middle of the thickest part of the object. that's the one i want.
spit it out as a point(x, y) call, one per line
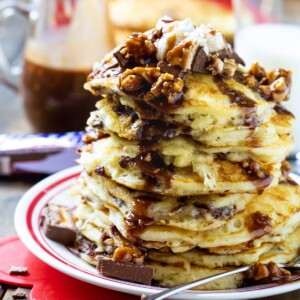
point(268, 31)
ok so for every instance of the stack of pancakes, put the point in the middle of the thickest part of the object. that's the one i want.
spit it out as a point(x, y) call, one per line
point(185, 158)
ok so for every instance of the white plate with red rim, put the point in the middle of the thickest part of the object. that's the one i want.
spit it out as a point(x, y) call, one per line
point(55, 189)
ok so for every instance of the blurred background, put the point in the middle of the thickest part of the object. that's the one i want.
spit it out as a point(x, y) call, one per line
point(13, 33)
point(56, 29)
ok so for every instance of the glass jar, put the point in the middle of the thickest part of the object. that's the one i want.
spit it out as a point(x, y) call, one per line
point(66, 38)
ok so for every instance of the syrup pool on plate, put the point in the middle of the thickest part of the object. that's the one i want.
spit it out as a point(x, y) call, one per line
point(274, 46)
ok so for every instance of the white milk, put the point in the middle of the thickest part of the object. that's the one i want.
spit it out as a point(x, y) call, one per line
point(274, 46)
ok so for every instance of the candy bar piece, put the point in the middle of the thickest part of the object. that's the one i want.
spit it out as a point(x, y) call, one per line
point(19, 295)
point(57, 224)
point(200, 61)
point(16, 270)
point(124, 270)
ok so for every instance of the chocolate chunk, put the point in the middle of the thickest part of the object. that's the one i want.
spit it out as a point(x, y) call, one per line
point(199, 61)
point(124, 161)
point(84, 246)
point(57, 224)
point(230, 53)
point(124, 270)
point(221, 156)
point(100, 171)
point(18, 270)
point(123, 62)
point(224, 212)
point(19, 295)
point(238, 59)
point(168, 68)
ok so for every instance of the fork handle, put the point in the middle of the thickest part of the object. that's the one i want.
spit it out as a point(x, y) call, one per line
point(183, 287)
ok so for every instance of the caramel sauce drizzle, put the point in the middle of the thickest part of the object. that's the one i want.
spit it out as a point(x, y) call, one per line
point(240, 99)
point(258, 224)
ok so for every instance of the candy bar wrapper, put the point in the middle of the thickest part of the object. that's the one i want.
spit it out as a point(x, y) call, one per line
point(38, 153)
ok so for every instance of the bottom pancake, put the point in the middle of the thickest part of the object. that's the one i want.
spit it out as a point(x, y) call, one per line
point(172, 269)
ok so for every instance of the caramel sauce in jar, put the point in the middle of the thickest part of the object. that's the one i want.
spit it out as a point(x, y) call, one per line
point(64, 42)
point(54, 99)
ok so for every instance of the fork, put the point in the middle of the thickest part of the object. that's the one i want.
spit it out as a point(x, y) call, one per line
point(170, 292)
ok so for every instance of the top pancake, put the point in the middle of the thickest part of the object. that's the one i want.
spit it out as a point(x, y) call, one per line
point(204, 104)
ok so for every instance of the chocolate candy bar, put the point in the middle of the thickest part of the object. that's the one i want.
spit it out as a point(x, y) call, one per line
point(38, 153)
point(124, 270)
point(15, 270)
point(58, 224)
point(19, 295)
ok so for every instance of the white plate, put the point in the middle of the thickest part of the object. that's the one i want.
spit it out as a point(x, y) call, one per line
point(55, 189)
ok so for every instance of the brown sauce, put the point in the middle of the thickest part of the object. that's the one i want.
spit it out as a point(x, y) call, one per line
point(161, 103)
point(240, 99)
point(54, 99)
point(151, 106)
point(139, 216)
point(107, 70)
point(262, 184)
point(157, 129)
point(290, 181)
point(258, 224)
point(152, 167)
point(146, 111)
point(281, 110)
point(235, 97)
point(168, 68)
point(147, 129)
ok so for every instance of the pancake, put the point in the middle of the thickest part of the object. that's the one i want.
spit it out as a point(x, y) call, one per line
point(176, 174)
point(269, 217)
point(264, 252)
point(205, 103)
point(261, 141)
point(199, 213)
point(112, 117)
point(172, 270)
